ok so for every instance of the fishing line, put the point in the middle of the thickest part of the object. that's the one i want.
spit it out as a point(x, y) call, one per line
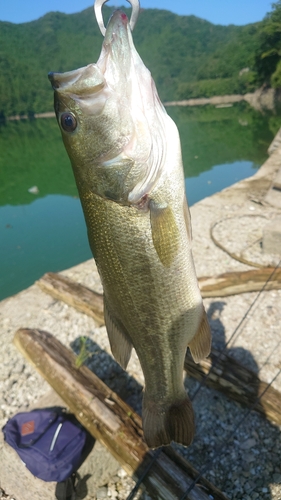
point(144, 474)
point(269, 356)
point(231, 341)
point(205, 378)
point(251, 307)
point(221, 447)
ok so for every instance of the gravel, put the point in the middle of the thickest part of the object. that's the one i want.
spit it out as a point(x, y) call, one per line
point(237, 450)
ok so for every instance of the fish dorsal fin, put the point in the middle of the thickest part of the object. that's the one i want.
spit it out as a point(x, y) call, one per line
point(120, 344)
point(165, 232)
point(200, 346)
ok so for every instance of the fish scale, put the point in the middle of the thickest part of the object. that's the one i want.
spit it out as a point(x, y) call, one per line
point(139, 296)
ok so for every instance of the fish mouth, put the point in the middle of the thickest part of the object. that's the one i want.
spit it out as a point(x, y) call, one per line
point(81, 82)
point(59, 80)
point(117, 22)
point(118, 52)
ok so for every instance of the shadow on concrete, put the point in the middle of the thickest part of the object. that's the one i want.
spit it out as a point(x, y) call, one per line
point(111, 373)
point(248, 465)
point(250, 462)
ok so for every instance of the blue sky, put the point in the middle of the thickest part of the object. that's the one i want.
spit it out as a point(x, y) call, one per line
point(216, 11)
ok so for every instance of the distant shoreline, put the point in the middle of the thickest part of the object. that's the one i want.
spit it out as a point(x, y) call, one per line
point(48, 114)
point(261, 99)
point(215, 100)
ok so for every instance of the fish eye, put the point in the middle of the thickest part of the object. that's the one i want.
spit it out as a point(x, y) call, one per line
point(68, 122)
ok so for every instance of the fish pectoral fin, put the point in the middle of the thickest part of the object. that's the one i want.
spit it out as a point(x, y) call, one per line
point(120, 344)
point(165, 232)
point(200, 346)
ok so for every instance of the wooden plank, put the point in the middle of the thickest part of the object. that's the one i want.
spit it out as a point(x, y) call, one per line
point(228, 376)
point(72, 293)
point(110, 419)
point(233, 283)
point(222, 285)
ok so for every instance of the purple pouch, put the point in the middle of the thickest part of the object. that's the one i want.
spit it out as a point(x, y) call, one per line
point(50, 443)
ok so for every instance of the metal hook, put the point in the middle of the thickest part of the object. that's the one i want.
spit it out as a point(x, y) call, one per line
point(134, 16)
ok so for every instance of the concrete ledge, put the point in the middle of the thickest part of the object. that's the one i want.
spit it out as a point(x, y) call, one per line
point(271, 241)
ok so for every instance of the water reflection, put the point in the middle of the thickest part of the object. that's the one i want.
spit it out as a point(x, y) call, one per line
point(214, 180)
point(46, 235)
point(45, 231)
point(212, 136)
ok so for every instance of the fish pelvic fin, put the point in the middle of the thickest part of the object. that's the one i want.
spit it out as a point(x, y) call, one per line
point(163, 424)
point(200, 346)
point(165, 233)
point(120, 344)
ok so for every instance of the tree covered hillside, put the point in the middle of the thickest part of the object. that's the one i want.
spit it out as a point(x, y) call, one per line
point(268, 55)
point(188, 57)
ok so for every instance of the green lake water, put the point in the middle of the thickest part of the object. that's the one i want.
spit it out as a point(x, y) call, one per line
point(46, 231)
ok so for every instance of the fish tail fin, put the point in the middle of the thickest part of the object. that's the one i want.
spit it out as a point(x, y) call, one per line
point(163, 424)
point(200, 346)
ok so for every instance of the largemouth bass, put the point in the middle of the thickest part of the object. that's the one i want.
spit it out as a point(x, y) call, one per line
point(126, 158)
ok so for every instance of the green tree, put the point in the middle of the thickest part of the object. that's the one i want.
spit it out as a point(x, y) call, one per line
point(268, 55)
point(187, 56)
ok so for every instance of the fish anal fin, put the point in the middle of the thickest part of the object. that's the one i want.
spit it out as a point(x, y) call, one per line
point(165, 232)
point(120, 344)
point(200, 346)
point(163, 424)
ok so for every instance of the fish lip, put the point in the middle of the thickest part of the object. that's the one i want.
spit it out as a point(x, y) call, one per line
point(82, 83)
point(61, 80)
point(117, 35)
point(118, 19)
